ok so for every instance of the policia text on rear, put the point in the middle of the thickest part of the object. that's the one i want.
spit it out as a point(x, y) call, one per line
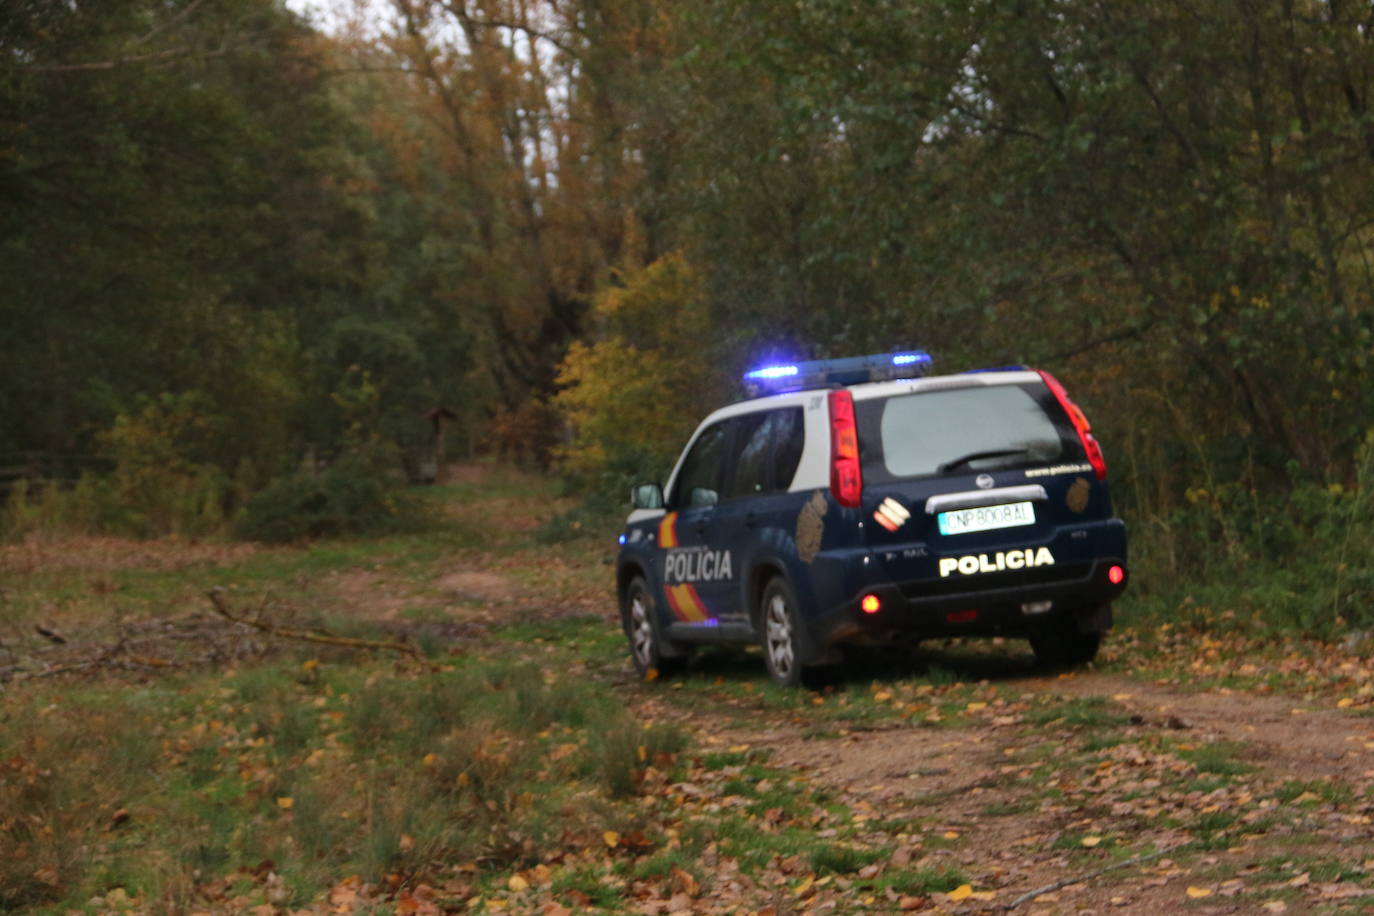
point(859, 501)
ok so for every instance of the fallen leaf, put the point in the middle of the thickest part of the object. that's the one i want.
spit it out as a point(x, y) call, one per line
point(684, 883)
point(517, 884)
point(285, 802)
point(1301, 880)
point(962, 892)
point(1091, 841)
point(1198, 892)
point(611, 838)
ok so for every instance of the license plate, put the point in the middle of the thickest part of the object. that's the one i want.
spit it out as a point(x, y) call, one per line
point(986, 518)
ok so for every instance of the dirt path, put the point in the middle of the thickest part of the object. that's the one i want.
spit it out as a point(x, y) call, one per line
point(1292, 738)
point(977, 796)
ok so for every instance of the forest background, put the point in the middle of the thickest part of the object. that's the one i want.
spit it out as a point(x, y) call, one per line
point(242, 256)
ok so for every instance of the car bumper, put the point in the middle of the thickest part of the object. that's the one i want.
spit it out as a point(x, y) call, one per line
point(1013, 607)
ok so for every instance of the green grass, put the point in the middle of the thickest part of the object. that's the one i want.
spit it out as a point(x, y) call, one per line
point(363, 768)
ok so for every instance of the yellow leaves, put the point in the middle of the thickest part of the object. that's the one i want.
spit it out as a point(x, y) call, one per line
point(639, 389)
point(976, 706)
point(1090, 841)
point(285, 802)
point(1197, 893)
point(611, 839)
point(1345, 703)
point(962, 892)
point(517, 884)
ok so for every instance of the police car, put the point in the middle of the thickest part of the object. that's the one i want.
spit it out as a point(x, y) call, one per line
point(861, 500)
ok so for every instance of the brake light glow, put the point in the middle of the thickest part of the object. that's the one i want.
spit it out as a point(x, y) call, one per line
point(846, 479)
point(870, 604)
point(961, 616)
point(1080, 423)
point(1116, 575)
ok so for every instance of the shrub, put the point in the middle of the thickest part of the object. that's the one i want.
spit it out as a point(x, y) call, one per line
point(348, 497)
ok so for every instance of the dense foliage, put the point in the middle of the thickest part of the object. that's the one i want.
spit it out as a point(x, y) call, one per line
point(1168, 204)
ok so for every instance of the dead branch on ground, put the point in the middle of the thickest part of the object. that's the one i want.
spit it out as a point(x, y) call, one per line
point(216, 596)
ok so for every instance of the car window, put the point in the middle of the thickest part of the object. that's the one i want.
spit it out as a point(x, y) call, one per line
point(789, 437)
point(765, 451)
point(698, 483)
point(958, 430)
point(750, 462)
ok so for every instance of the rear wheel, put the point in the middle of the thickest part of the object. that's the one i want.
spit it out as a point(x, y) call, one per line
point(786, 644)
point(648, 649)
point(1060, 643)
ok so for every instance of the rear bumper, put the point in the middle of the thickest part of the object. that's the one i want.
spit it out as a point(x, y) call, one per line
point(1013, 606)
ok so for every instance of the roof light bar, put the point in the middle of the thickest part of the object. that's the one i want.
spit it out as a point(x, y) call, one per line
point(824, 373)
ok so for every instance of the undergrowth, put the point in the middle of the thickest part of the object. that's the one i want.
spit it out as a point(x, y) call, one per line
point(324, 770)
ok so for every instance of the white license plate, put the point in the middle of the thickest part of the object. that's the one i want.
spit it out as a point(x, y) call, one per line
point(986, 518)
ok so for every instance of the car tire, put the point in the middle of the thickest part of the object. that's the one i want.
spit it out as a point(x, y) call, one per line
point(1061, 643)
point(649, 649)
point(785, 641)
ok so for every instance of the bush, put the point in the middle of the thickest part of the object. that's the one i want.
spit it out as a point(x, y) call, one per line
point(348, 497)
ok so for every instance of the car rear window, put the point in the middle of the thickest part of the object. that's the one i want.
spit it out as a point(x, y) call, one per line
point(995, 426)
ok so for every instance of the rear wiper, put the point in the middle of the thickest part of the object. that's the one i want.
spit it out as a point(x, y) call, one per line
point(974, 456)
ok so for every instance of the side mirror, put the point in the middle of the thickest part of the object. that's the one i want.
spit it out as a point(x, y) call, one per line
point(646, 496)
point(701, 497)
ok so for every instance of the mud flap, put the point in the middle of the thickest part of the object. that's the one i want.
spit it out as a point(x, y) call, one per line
point(1095, 620)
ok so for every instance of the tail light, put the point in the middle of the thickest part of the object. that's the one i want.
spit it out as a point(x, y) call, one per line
point(1080, 423)
point(846, 480)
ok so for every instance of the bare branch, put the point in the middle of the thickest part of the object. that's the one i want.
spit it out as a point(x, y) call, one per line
point(216, 596)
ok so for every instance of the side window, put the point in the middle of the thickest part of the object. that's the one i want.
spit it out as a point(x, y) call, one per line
point(766, 450)
point(751, 444)
point(698, 483)
point(790, 437)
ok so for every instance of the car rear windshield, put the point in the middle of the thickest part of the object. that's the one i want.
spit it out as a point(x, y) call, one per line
point(962, 430)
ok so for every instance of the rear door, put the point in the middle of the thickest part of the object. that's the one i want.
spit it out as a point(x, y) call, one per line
point(973, 485)
point(757, 512)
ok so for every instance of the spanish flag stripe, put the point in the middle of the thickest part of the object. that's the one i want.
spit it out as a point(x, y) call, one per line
point(686, 603)
point(667, 530)
point(670, 593)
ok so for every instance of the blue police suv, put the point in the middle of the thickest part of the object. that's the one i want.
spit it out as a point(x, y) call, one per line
point(858, 501)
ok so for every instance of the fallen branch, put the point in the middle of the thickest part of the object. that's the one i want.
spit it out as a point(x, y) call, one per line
point(1125, 863)
point(216, 596)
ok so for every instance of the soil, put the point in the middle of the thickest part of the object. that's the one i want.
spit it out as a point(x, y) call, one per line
point(901, 771)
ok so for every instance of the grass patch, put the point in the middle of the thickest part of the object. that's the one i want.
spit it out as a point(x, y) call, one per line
point(364, 769)
point(1079, 712)
point(1218, 759)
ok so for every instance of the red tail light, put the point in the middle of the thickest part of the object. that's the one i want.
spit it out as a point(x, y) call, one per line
point(1116, 575)
point(1080, 423)
point(846, 480)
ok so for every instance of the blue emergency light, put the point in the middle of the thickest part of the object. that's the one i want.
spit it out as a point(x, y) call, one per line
point(824, 373)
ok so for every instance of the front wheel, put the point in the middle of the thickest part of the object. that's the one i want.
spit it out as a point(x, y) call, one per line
point(1062, 644)
point(648, 649)
point(786, 644)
